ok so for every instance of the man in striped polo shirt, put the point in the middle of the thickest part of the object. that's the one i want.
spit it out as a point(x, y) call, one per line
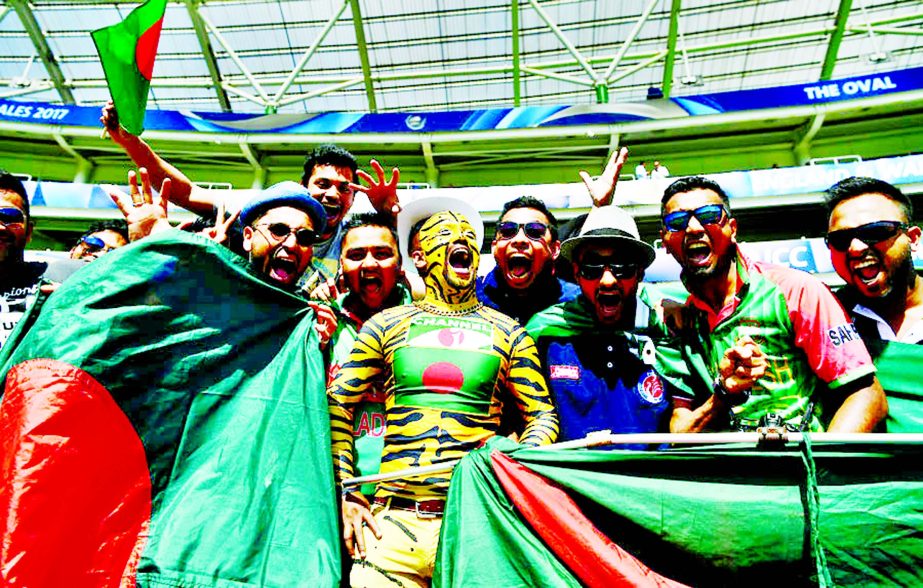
point(759, 338)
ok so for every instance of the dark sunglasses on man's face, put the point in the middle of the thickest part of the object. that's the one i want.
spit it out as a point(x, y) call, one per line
point(710, 214)
point(304, 237)
point(12, 216)
point(93, 244)
point(594, 271)
point(869, 234)
point(534, 231)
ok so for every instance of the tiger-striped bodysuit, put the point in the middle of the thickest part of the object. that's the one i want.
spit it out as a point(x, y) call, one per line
point(446, 378)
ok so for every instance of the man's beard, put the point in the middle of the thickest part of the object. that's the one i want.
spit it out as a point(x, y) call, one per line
point(901, 281)
point(721, 267)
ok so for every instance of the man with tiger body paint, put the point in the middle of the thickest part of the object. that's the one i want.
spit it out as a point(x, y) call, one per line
point(448, 365)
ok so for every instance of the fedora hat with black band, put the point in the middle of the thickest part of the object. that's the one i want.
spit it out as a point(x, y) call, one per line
point(611, 224)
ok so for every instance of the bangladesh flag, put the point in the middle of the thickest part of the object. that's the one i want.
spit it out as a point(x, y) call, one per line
point(843, 515)
point(164, 423)
point(127, 51)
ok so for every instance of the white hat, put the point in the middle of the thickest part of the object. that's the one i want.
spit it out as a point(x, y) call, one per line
point(611, 223)
point(424, 208)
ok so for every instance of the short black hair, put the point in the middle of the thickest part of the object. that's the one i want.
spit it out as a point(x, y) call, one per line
point(373, 219)
point(690, 183)
point(857, 186)
point(328, 154)
point(116, 225)
point(535, 204)
point(11, 183)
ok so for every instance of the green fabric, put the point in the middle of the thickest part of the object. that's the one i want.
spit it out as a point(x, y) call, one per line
point(221, 377)
point(484, 542)
point(118, 48)
point(704, 517)
point(897, 364)
point(566, 319)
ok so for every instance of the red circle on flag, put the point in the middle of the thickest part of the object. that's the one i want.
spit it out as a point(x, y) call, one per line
point(443, 377)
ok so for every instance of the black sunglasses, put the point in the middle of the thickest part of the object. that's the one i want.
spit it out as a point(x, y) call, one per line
point(710, 214)
point(534, 231)
point(12, 216)
point(304, 237)
point(869, 234)
point(594, 271)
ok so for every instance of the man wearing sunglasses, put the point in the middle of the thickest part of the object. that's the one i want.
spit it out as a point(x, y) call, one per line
point(19, 279)
point(759, 338)
point(872, 242)
point(331, 176)
point(279, 232)
point(525, 247)
point(100, 237)
point(602, 372)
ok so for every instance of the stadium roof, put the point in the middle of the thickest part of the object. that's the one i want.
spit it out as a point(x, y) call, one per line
point(400, 55)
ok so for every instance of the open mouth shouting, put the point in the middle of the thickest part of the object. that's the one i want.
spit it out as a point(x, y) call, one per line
point(370, 282)
point(609, 306)
point(461, 260)
point(697, 253)
point(283, 266)
point(868, 270)
point(518, 268)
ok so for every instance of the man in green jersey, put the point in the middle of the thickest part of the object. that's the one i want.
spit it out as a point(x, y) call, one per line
point(872, 241)
point(760, 339)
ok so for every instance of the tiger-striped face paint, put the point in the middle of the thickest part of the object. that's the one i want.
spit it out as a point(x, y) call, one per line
point(448, 244)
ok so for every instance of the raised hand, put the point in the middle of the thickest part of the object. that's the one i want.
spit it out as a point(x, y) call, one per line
point(325, 322)
point(144, 211)
point(382, 195)
point(111, 126)
point(602, 189)
point(219, 232)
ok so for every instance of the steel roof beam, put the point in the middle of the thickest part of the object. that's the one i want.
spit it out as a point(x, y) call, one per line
point(514, 35)
point(309, 53)
point(571, 48)
point(264, 99)
point(667, 85)
point(363, 55)
point(629, 40)
point(836, 37)
point(208, 53)
point(29, 22)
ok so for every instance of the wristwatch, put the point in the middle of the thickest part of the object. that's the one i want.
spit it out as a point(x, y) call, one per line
point(727, 397)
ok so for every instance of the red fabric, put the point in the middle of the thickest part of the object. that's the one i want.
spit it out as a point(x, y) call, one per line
point(556, 518)
point(146, 49)
point(75, 490)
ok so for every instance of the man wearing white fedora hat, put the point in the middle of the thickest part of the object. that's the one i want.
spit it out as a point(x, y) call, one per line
point(600, 369)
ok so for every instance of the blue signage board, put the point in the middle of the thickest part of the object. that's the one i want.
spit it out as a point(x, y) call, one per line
point(483, 119)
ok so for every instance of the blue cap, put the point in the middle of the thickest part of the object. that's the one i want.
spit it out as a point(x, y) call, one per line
point(284, 194)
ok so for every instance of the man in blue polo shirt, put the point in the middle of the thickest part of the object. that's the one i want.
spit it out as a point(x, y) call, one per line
point(600, 369)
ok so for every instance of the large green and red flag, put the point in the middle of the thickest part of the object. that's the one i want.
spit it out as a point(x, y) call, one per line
point(127, 51)
point(844, 516)
point(164, 423)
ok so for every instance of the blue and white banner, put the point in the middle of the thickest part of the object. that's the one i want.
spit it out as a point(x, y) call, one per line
point(480, 120)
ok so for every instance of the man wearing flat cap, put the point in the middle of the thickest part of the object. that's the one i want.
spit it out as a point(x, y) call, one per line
point(600, 369)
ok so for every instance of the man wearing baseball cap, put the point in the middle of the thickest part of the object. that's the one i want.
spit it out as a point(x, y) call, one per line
point(600, 369)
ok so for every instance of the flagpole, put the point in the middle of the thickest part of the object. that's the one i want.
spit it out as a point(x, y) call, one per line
point(601, 438)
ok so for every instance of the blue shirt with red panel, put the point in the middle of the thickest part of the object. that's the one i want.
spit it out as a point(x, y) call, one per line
point(600, 379)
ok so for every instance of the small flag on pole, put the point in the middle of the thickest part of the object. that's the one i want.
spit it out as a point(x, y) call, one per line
point(127, 52)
